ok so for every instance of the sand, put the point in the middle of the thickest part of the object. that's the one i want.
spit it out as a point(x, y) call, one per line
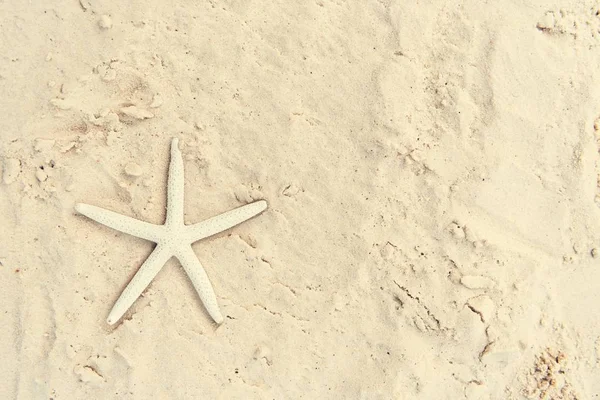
point(431, 169)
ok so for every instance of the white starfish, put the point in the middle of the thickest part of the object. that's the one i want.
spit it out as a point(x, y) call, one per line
point(173, 238)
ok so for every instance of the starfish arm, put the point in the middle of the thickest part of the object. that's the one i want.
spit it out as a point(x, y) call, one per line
point(175, 186)
point(224, 221)
point(139, 282)
point(197, 274)
point(122, 223)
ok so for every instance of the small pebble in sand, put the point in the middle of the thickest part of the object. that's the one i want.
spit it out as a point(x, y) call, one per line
point(290, 190)
point(105, 22)
point(137, 113)
point(68, 147)
point(61, 104)
point(12, 168)
point(387, 251)
point(594, 252)
point(41, 175)
point(242, 195)
point(49, 57)
point(133, 169)
point(88, 374)
point(157, 101)
point(479, 244)
point(457, 230)
point(250, 240)
point(547, 22)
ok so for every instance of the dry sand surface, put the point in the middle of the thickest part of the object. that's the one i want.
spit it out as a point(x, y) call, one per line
point(431, 169)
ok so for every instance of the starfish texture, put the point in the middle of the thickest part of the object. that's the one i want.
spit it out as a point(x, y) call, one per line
point(173, 238)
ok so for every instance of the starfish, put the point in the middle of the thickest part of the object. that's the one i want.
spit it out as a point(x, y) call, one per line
point(173, 238)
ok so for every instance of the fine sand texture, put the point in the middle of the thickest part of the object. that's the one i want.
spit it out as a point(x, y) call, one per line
point(431, 169)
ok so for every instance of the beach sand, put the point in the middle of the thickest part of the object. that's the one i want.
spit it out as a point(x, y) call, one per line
point(431, 169)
